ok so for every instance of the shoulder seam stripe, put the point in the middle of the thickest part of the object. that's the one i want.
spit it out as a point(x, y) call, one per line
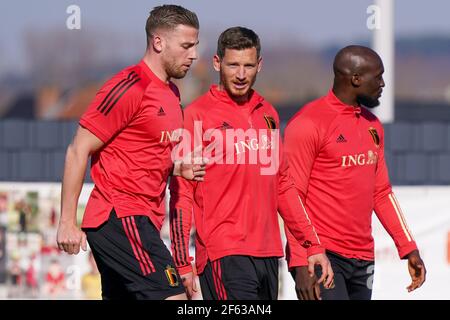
point(130, 84)
point(114, 91)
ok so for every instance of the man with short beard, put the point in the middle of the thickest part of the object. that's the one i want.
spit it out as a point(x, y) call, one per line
point(335, 148)
point(130, 129)
point(236, 207)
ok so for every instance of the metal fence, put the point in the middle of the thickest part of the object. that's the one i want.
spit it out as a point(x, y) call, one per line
point(418, 153)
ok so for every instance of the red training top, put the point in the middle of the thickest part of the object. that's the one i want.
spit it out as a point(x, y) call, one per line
point(139, 118)
point(336, 153)
point(235, 207)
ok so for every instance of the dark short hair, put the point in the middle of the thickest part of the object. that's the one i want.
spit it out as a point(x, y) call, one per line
point(168, 17)
point(238, 38)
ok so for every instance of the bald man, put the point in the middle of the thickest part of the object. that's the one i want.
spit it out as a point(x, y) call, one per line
point(335, 149)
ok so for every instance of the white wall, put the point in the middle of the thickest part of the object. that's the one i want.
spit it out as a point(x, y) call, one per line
point(427, 211)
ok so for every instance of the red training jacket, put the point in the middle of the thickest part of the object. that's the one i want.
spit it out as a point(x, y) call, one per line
point(235, 208)
point(336, 155)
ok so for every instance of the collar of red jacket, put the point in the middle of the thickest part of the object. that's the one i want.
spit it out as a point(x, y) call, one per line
point(223, 96)
point(341, 106)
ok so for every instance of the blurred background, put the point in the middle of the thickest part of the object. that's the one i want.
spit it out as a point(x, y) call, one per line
point(50, 71)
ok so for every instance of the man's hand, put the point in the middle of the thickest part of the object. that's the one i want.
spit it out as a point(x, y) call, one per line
point(191, 170)
point(307, 287)
point(85, 143)
point(189, 283)
point(416, 269)
point(327, 271)
point(70, 238)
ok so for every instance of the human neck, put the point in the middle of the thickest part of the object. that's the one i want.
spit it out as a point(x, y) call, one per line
point(154, 63)
point(345, 96)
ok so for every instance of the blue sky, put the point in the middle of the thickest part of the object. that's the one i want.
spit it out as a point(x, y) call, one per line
point(313, 23)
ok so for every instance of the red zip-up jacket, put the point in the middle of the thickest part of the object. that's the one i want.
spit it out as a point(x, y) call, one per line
point(336, 155)
point(235, 207)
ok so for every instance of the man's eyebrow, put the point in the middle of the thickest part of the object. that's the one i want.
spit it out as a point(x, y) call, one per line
point(191, 43)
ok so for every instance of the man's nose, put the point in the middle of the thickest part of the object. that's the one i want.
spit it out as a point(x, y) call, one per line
point(193, 55)
point(241, 73)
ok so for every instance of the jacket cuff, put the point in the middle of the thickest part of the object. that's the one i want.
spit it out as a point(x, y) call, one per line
point(315, 250)
point(185, 269)
point(297, 262)
point(406, 249)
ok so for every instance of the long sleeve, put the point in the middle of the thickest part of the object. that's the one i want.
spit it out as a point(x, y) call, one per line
point(388, 209)
point(181, 211)
point(302, 143)
point(293, 212)
point(181, 205)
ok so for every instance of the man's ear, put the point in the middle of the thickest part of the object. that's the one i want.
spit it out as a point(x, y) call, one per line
point(260, 62)
point(356, 80)
point(216, 63)
point(157, 43)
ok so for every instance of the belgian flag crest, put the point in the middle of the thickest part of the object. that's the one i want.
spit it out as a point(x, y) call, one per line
point(270, 121)
point(171, 275)
point(376, 138)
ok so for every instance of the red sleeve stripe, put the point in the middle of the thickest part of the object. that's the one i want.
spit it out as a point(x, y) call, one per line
point(400, 217)
point(176, 239)
point(183, 240)
point(179, 241)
